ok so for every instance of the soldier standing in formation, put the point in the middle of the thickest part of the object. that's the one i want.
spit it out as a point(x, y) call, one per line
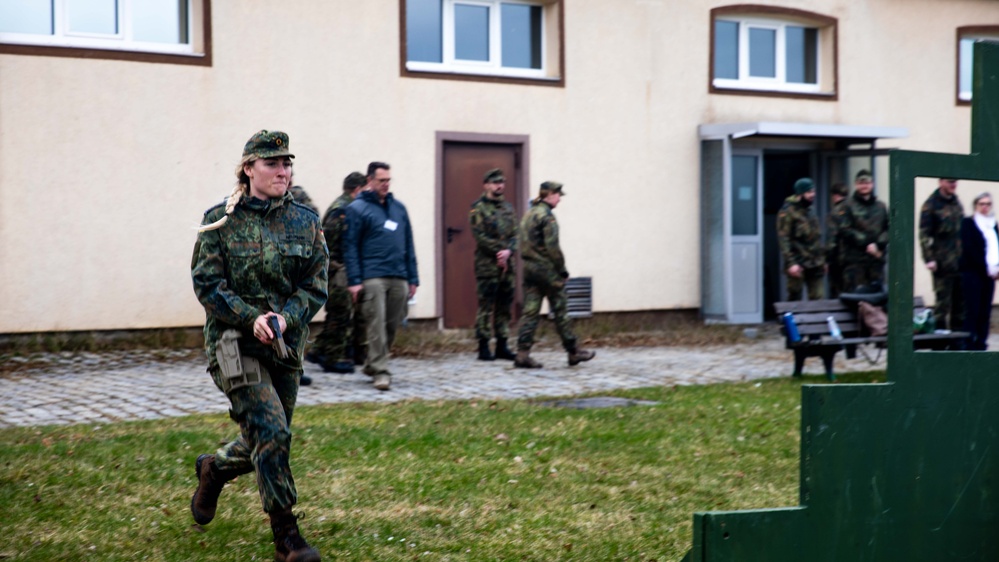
point(494, 226)
point(544, 277)
point(837, 198)
point(863, 235)
point(261, 256)
point(940, 239)
point(800, 241)
point(340, 343)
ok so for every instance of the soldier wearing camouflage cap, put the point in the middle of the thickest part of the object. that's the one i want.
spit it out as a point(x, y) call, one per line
point(544, 278)
point(342, 340)
point(494, 227)
point(800, 241)
point(863, 235)
point(260, 257)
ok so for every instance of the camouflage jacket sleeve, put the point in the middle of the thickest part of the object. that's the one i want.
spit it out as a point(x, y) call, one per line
point(832, 235)
point(785, 230)
point(884, 235)
point(478, 219)
point(927, 230)
point(211, 286)
point(848, 231)
point(333, 226)
point(549, 230)
point(312, 289)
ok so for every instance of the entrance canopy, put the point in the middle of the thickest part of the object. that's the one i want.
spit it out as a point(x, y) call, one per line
point(740, 266)
point(820, 130)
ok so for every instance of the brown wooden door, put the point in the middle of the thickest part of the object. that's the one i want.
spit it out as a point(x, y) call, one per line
point(464, 166)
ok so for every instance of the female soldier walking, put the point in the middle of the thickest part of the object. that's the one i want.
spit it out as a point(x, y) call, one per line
point(259, 258)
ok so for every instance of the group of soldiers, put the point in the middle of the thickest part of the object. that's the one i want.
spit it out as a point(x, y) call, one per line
point(854, 253)
point(497, 239)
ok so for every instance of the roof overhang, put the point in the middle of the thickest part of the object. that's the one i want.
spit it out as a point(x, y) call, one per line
point(807, 130)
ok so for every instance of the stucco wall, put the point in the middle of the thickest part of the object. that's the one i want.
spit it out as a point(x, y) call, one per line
point(105, 166)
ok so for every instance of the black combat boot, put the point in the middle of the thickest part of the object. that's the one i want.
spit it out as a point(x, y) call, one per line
point(289, 546)
point(578, 355)
point(502, 351)
point(484, 353)
point(306, 380)
point(210, 483)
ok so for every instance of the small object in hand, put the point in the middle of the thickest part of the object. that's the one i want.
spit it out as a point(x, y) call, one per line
point(278, 342)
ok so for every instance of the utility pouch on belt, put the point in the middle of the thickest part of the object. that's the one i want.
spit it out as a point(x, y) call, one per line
point(238, 371)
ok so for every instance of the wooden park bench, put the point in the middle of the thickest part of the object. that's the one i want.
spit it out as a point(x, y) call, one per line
point(817, 341)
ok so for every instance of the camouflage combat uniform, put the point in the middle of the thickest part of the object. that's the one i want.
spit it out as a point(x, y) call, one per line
point(940, 239)
point(344, 331)
point(800, 243)
point(834, 261)
point(862, 222)
point(494, 226)
point(544, 276)
point(269, 256)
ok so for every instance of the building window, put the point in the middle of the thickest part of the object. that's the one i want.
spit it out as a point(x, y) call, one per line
point(772, 50)
point(170, 27)
point(501, 38)
point(966, 38)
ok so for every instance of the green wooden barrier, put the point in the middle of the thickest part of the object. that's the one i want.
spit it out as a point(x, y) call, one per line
point(902, 471)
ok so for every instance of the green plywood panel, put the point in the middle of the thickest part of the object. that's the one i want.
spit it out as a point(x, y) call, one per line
point(903, 471)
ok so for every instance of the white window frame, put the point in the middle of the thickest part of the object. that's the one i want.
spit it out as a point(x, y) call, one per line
point(779, 82)
point(121, 41)
point(965, 95)
point(492, 67)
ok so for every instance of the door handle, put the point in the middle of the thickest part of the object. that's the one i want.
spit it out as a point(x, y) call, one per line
point(451, 232)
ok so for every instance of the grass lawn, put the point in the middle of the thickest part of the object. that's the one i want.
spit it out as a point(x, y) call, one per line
point(503, 481)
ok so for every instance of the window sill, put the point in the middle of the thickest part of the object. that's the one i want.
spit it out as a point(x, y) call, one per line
point(194, 59)
point(774, 93)
point(472, 76)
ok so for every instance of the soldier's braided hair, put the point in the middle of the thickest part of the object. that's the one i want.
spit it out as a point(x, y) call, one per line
point(241, 188)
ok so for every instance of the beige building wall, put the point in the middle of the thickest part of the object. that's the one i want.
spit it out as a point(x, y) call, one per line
point(106, 166)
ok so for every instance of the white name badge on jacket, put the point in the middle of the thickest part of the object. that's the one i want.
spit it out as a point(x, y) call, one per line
point(391, 224)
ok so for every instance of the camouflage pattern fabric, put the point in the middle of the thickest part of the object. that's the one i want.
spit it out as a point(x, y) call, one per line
point(299, 195)
point(940, 241)
point(269, 256)
point(798, 234)
point(862, 222)
point(833, 260)
point(494, 227)
point(812, 278)
point(263, 413)
point(495, 305)
point(344, 328)
point(544, 276)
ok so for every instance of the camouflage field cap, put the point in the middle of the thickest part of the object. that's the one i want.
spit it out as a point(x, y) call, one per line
point(493, 176)
point(354, 180)
point(550, 187)
point(267, 144)
point(863, 175)
point(803, 185)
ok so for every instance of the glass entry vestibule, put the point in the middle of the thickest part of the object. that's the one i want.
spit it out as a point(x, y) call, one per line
point(747, 171)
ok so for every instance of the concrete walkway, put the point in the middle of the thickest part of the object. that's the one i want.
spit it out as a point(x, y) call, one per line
point(111, 387)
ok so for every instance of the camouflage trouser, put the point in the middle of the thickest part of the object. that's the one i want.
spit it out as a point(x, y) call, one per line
point(864, 273)
point(949, 307)
point(263, 413)
point(344, 327)
point(495, 302)
point(813, 277)
point(536, 288)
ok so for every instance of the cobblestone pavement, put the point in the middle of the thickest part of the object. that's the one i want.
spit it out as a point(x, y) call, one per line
point(111, 387)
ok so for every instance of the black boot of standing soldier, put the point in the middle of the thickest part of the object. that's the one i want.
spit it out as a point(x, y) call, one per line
point(484, 353)
point(210, 482)
point(578, 355)
point(289, 546)
point(502, 351)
